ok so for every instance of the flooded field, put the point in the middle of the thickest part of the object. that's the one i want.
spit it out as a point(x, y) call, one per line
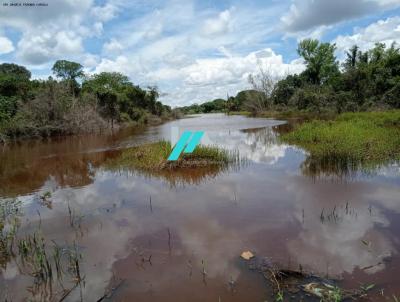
point(121, 235)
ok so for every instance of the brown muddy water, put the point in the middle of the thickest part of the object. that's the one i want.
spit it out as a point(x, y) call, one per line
point(150, 238)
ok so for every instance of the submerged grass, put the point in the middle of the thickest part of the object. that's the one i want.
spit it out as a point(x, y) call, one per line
point(10, 215)
point(34, 256)
point(368, 138)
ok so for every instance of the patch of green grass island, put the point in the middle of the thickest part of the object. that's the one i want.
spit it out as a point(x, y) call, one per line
point(151, 160)
point(154, 157)
point(366, 138)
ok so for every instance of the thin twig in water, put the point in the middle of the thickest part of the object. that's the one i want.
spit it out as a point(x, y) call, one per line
point(189, 263)
point(169, 241)
point(151, 206)
point(204, 273)
point(40, 219)
point(109, 293)
point(66, 294)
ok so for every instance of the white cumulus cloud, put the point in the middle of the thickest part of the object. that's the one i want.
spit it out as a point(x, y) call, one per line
point(40, 48)
point(112, 47)
point(6, 45)
point(384, 31)
point(105, 13)
point(206, 79)
point(304, 15)
point(219, 25)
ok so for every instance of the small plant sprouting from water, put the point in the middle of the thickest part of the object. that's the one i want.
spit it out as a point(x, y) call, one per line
point(335, 295)
point(32, 250)
point(40, 263)
point(337, 214)
point(203, 271)
point(45, 199)
point(169, 241)
point(75, 220)
point(10, 213)
point(34, 256)
point(46, 195)
point(57, 255)
point(75, 258)
point(279, 296)
point(47, 264)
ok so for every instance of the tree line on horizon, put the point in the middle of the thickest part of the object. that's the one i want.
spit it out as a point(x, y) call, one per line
point(365, 80)
point(72, 102)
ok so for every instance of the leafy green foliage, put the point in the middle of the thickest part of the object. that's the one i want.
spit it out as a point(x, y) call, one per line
point(14, 80)
point(217, 105)
point(67, 70)
point(8, 107)
point(320, 60)
point(18, 71)
point(368, 80)
point(120, 100)
point(51, 107)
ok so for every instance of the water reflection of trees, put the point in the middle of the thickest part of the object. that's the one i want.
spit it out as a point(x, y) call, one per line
point(20, 177)
point(26, 165)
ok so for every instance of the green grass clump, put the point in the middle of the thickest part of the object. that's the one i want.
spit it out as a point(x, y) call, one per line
point(367, 137)
point(204, 163)
point(153, 157)
point(378, 118)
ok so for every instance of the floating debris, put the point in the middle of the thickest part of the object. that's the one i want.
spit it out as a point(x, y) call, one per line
point(321, 290)
point(247, 255)
point(298, 284)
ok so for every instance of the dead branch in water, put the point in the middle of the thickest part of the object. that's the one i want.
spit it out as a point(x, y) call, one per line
point(111, 291)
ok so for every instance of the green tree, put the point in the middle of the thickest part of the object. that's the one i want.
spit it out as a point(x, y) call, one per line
point(109, 88)
point(351, 57)
point(14, 87)
point(8, 108)
point(69, 72)
point(14, 80)
point(151, 97)
point(320, 60)
point(18, 71)
point(284, 89)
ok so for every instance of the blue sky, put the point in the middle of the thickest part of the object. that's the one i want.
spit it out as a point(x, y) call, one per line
point(193, 51)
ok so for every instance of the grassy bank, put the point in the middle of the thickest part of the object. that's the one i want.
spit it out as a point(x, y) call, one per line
point(366, 137)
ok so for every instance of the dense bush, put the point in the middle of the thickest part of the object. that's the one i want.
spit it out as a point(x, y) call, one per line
point(73, 103)
point(363, 81)
point(217, 105)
